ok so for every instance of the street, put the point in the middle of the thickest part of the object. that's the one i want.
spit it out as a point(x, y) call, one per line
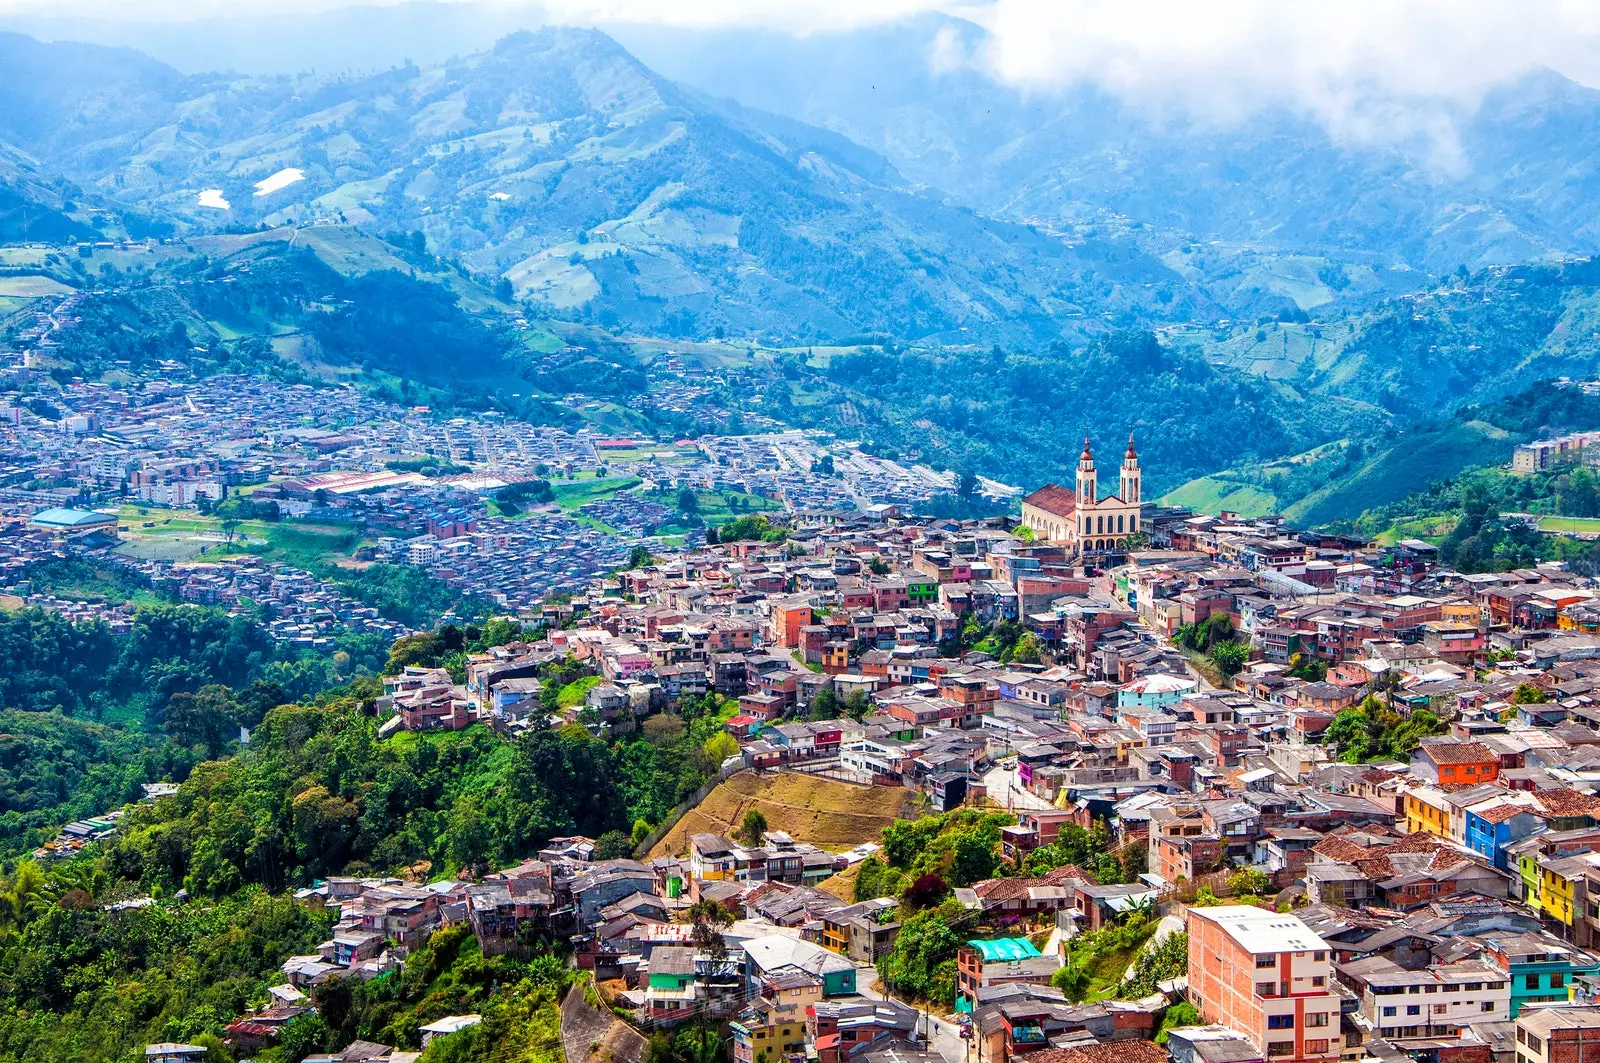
point(945, 1036)
point(1003, 789)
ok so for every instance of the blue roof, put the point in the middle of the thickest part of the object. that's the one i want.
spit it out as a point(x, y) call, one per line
point(72, 518)
point(1005, 949)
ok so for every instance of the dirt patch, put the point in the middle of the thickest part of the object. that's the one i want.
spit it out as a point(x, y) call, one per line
point(825, 813)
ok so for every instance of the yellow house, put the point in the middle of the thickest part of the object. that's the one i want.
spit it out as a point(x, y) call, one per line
point(1558, 878)
point(769, 1043)
point(1426, 810)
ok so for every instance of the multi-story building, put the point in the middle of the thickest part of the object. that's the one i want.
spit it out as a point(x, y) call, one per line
point(1266, 975)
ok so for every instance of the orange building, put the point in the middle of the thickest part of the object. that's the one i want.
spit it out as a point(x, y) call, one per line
point(1266, 975)
point(1448, 762)
point(787, 620)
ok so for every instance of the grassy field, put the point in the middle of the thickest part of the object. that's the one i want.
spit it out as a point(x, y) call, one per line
point(715, 507)
point(571, 494)
point(833, 815)
point(1571, 525)
point(183, 533)
point(31, 286)
point(1213, 494)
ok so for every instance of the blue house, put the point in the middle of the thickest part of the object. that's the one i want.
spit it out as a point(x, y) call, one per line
point(1495, 824)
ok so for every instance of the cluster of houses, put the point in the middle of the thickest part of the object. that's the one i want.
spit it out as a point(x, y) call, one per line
point(1438, 899)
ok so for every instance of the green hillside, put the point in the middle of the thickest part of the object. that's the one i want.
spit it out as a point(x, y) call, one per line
point(1340, 482)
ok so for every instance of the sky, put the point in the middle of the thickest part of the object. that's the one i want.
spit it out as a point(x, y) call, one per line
point(1367, 69)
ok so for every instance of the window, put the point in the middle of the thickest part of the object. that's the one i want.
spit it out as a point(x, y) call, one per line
point(1440, 1009)
point(1487, 1005)
point(1280, 1022)
point(1266, 961)
point(1413, 1009)
point(1388, 1012)
point(1531, 981)
point(1280, 1048)
point(1473, 987)
point(1318, 981)
point(1317, 1047)
point(1522, 1036)
point(1558, 979)
point(1430, 989)
point(1319, 956)
point(1264, 989)
point(1534, 1043)
point(1317, 1018)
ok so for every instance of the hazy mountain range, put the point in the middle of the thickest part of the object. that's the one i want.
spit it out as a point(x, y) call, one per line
point(841, 189)
point(1522, 185)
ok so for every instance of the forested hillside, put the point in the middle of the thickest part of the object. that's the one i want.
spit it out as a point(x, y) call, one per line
point(1023, 416)
point(315, 793)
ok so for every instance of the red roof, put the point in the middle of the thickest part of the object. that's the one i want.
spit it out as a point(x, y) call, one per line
point(1054, 499)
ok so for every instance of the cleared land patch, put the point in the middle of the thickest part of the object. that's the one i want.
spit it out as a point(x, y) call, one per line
point(828, 814)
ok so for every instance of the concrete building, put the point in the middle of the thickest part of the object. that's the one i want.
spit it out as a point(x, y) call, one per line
point(1266, 975)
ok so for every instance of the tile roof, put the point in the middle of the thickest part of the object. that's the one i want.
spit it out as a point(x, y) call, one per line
point(1054, 499)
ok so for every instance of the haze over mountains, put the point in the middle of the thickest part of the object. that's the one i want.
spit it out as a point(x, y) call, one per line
point(1519, 182)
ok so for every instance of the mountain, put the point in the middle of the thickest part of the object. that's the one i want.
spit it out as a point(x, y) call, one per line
point(601, 190)
point(1522, 181)
point(32, 209)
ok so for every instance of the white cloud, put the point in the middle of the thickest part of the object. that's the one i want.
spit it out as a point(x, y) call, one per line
point(1367, 69)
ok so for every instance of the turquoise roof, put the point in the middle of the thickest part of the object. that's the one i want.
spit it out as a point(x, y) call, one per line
point(72, 518)
point(1001, 949)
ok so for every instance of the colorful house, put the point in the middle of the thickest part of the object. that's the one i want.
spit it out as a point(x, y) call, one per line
point(1541, 967)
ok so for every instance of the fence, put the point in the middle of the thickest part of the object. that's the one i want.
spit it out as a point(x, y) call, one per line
point(729, 768)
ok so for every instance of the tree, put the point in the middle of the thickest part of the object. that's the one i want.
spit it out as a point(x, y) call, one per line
point(688, 502)
point(721, 746)
point(639, 557)
point(302, 1036)
point(1248, 881)
point(976, 857)
point(1025, 533)
point(752, 827)
point(825, 705)
point(877, 566)
point(1176, 1017)
point(967, 485)
point(1029, 648)
point(613, 845)
point(926, 892)
point(1230, 657)
point(1528, 694)
point(709, 919)
point(205, 719)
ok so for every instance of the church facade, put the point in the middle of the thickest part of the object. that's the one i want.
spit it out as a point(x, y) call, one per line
point(1079, 519)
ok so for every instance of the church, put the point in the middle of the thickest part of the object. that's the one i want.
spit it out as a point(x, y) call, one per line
point(1080, 519)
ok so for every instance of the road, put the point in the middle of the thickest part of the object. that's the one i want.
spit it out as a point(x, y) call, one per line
point(946, 1036)
point(1003, 789)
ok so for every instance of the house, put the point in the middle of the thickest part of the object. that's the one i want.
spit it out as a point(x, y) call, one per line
point(172, 1052)
point(841, 1028)
point(1446, 762)
point(671, 992)
point(1559, 1035)
point(776, 953)
point(981, 964)
point(448, 1025)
